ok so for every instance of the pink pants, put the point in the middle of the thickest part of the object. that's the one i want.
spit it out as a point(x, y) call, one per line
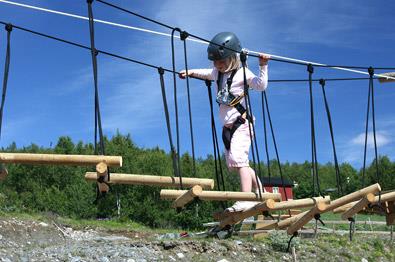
point(237, 155)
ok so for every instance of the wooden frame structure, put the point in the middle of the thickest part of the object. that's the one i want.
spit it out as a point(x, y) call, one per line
point(164, 181)
point(56, 159)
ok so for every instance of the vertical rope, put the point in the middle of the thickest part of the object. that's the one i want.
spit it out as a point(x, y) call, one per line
point(328, 113)
point(94, 53)
point(8, 28)
point(265, 135)
point(366, 136)
point(176, 103)
point(251, 126)
point(314, 163)
point(184, 35)
point(161, 72)
point(275, 146)
point(217, 156)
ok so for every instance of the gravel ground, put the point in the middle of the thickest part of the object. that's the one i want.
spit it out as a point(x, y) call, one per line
point(27, 240)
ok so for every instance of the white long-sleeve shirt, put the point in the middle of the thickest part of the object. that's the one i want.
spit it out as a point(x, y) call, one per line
point(229, 114)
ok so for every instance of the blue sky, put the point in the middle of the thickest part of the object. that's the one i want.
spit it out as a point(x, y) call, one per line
point(50, 88)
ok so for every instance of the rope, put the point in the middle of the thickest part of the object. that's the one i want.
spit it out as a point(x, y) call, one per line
point(161, 72)
point(290, 240)
point(8, 28)
point(275, 147)
point(98, 124)
point(314, 162)
point(184, 36)
point(328, 113)
point(176, 104)
point(251, 125)
point(218, 167)
point(352, 227)
point(274, 57)
point(265, 135)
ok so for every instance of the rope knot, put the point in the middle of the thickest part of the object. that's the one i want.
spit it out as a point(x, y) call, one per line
point(184, 35)
point(89, 1)
point(243, 57)
point(371, 71)
point(322, 82)
point(310, 68)
point(8, 27)
point(208, 83)
point(161, 71)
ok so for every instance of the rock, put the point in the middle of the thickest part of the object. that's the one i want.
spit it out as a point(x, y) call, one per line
point(364, 260)
point(223, 260)
point(180, 255)
point(172, 258)
point(43, 224)
point(168, 245)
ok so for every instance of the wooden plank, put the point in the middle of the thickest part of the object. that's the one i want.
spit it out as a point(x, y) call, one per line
point(56, 159)
point(3, 172)
point(190, 195)
point(390, 216)
point(353, 197)
point(298, 224)
point(361, 204)
point(163, 181)
point(232, 218)
point(300, 203)
point(221, 195)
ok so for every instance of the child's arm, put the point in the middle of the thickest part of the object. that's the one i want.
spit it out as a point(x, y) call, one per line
point(208, 74)
point(259, 82)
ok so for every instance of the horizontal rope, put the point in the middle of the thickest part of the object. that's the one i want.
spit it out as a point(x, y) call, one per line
point(199, 39)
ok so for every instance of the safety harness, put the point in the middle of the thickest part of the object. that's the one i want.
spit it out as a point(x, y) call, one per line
point(225, 97)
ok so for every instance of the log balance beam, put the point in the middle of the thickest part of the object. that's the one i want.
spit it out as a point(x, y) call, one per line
point(387, 197)
point(55, 159)
point(231, 218)
point(305, 217)
point(221, 195)
point(163, 181)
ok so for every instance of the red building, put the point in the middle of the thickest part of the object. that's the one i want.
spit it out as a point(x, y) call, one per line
point(275, 185)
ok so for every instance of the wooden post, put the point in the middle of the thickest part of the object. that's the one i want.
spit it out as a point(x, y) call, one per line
point(300, 203)
point(234, 217)
point(344, 208)
point(286, 222)
point(163, 181)
point(101, 169)
point(384, 197)
point(54, 159)
point(361, 204)
point(353, 197)
point(221, 195)
point(320, 206)
point(390, 216)
point(187, 197)
point(3, 172)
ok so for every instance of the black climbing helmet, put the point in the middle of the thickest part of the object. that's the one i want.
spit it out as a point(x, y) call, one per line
point(216, 50)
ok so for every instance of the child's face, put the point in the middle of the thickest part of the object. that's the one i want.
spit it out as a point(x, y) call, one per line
point(222, 65)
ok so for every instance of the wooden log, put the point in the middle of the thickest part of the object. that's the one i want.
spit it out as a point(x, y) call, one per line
point(286, 222)
point(54, 159)
point(390, 216)
point(353, 197)
point(361, 204)
point(221, 195)
point(3, 172)
point(232, 218)
point(384, 197)
point(164, 181)
point(101, 169)
point(344, 208)
point(303, 220)
point(187, 197)
point(300, 203)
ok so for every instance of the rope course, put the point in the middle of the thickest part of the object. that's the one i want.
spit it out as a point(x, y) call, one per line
point(349, 204)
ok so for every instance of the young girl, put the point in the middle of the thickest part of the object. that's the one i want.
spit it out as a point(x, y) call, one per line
point(228, 73)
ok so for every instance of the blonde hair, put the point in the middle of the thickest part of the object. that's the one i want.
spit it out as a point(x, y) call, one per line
point(234, 62)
